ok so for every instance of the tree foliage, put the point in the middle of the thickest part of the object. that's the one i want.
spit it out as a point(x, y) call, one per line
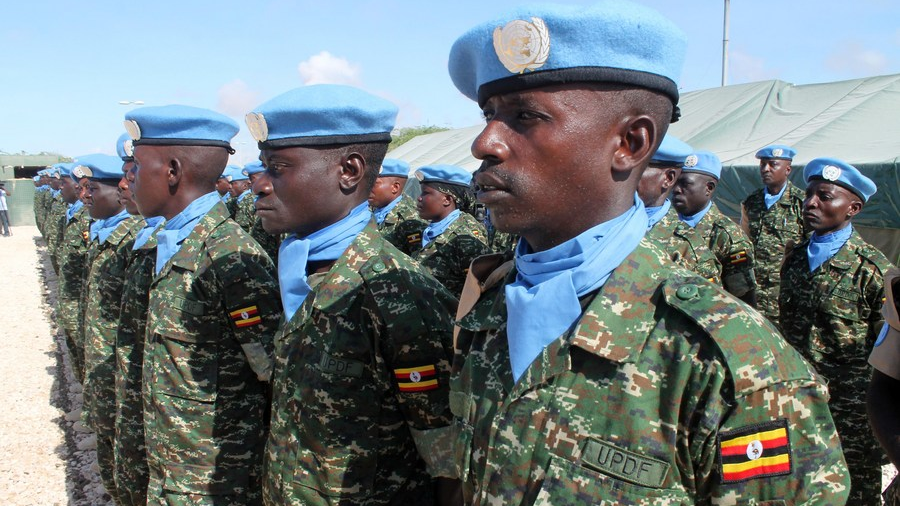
point(401, 135)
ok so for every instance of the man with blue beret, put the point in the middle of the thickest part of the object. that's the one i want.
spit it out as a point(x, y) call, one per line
point(233, 173)
point(243, 198)
point(772, 217)
point(269, 242)
point(42, 194)
point(692, 197)
point(223, 185)
point(453, 237)
point(52, 199)
point(679, 240)
point(112, 229)
point(55, 218)
point(393, 208)
point(212, 315)
point(832, 290)
point(362, 360)
point(590, 369)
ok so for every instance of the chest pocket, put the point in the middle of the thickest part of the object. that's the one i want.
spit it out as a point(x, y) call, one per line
point(186, 350)
point(842, 303)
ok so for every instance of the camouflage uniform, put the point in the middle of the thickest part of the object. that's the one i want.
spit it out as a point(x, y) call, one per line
point(231, 204)
point(685, 247)
point(212, 314)
point(72, 252)
point(448, 256)
point(56, 220)
point(501, 242)
point(633, 405)
point(130, 449)
point(352, 383)
point(270, 243)
point(401, 225)
point(769, 231)
point(832, 316)
point(245, 212)
point(102, 303)
point(37, 203)
point(732, 249)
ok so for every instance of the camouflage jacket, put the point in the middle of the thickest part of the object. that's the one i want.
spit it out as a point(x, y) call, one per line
point(72, 253)
point(402, 227)
point(102, 304)
point(361, 369)
point(56, 221)
point(245, 212)
point(832, 316)
point(37, 203)
point(656, 396)
point(448, 256)
point(501, 242)
point(270, 243)
point(685, 247)
point(770, 231)
point(732, 249)
point(212, 315)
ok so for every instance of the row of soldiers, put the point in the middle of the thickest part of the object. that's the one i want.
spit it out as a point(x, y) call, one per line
point(579, 362)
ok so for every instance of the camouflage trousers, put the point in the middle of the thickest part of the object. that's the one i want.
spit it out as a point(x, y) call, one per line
point(132, 474)
point(76, 355)
point(106, 462)
point(891, 494)
point(158, 494)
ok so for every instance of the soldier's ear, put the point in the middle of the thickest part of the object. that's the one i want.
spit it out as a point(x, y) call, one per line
point(353, 168)
point(174, 172)
point(855, 207)
point(637, 138)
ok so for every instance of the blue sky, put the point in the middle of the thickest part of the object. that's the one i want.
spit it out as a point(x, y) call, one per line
point(64, 66)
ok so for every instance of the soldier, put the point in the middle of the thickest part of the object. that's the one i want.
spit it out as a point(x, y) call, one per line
point(692, 197)
point(56, 219)
point(832, 288)
point(363, 356)
point(269, 242)
point(71, 253)
point(453, 237)
point(231, 203)
point(38, 196)
point(590, 369)
point(223, 185)
point(240, 191)
point(883, 400)
point(131, 472)
point(212, 313)
point(41, 194)
point(683, 245)
point(393, 208)
point(772, 217)
point(111, 232)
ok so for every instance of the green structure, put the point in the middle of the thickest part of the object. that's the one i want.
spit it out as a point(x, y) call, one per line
point(16, 171)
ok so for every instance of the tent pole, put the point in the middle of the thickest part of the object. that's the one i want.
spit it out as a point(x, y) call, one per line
point(725, 45)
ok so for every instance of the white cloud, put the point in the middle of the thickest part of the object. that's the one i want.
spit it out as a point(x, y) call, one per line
point(745, 68)
point(325, 68)
point(852, 58)
point(236, 99)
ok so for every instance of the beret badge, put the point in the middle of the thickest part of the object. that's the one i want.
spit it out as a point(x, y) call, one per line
point(256, 123)
point(691, 161)
point(831, 173)
point(777, 152)
point(82, 171)
point(128, 146)
point(522, 45)
point(134, 131)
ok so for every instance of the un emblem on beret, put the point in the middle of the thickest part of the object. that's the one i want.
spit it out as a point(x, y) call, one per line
point(256, 123)
point(128, 147)
point(522, 45)
point(777, 152)
point(134, 131)
point(691, 161)
point(82, 171)
point(831, 173)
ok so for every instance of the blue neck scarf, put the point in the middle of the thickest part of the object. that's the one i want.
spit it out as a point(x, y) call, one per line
point(146, 233)
point(655, 214)
point(43, 188)
point(101, 229)
point(437, 228)
point(73, 208)
point(382, 212)
point(542, 303)
point(56, 192)
point(695, 219)
point(170, 238)
point(822, 248)
point(224, 197)
point(326, 244)
point(242, 195)
point(772, 199)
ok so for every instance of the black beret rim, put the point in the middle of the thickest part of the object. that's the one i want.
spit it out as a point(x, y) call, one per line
point(180, 142)
point(325, 140)
point(540, 78)
point(453, 183)
point(842, 185)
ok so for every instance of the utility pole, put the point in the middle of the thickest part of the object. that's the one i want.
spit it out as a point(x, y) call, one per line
point(725, 45)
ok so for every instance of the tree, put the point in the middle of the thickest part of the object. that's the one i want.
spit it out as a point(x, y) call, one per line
point(401, 135)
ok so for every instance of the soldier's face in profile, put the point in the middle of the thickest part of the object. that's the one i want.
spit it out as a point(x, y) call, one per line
point(383, 192)
point(124, 194)
point(223, 186)
point(774, 172)
point(692, 192)
point(829, 207)
point(238, 187)
point(104, 197)
point(69, 190)
point(433, 205)
point(151, 180)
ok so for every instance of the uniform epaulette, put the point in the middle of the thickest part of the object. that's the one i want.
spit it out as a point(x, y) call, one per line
point(756, 355)
point(393, 295)
point(870, 254)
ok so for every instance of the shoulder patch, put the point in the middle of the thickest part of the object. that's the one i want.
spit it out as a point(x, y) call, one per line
point(416, 379)
point(755, 451)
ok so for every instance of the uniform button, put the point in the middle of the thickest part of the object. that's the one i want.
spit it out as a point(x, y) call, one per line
point(686, 292)
point(378, 267)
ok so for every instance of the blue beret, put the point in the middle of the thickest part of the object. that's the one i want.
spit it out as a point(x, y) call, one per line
point(614, 42)
point(779, 151)
point(236, 173)
point(449, 174)
point(65, 169)
point(320, 115)
point(672, 150)
point(125, 148)
point(705, 162)
point(841, 173)
point(97, 167)
point(36, 179)
point(180, 125)
point(253, 168)
point(394, 167)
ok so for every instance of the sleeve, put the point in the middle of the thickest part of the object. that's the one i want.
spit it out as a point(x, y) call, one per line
point(745, 220)
point(738, 275)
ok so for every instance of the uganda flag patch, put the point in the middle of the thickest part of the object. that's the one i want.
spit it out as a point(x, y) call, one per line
point(414, 239)
point(416, 379)
point(738, 258)
point(755, 451)
point(245, 317)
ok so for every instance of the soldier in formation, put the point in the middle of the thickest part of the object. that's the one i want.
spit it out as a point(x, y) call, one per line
point(392, 208)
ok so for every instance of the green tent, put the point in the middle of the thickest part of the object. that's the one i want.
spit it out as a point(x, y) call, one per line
point(857, 121)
